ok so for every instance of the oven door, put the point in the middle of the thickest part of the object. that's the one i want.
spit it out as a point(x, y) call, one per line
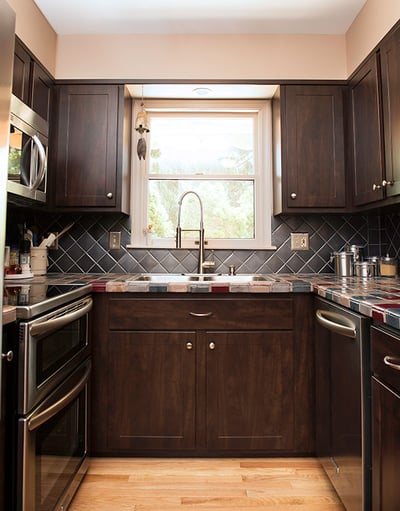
point(50, 348)
point(52, 446)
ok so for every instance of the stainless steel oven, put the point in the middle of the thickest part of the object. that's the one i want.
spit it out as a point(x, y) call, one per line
point(49, 348)
point(52, 441)
point(53, 378)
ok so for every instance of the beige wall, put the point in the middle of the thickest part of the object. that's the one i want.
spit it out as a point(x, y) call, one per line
point(207, 57)
point(202, 57)
point(34, 30)
point(374, 21)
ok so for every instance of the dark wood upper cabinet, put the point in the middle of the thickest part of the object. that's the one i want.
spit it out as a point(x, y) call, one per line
point(89, 172)
point(390, 71)
point(21, 72)
point(367, 134)
point(32, 84)
point(309, 150)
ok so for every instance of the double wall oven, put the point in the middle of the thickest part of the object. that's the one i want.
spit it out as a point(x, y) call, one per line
point(53, 371)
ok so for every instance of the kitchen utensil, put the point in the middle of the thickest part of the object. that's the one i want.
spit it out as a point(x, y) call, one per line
point(52, 237)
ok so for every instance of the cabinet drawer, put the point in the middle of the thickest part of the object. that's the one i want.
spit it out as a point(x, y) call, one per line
point(200, 314)
point(385, 357)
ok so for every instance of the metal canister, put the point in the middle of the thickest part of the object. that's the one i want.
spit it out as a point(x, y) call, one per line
point(357, 251)
point(343, 262)
point(364, 269)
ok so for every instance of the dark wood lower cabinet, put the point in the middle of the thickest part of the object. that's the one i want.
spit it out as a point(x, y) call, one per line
point(385, 350)
point(153, 398)
point(185, 385)
point(250, 391)
point(386, 448)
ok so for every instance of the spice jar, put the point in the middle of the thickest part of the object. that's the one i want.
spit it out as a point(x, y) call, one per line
point(388, 266)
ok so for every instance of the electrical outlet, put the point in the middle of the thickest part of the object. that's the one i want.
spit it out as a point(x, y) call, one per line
point(299, 241)
point(54, 245)
point(114, 241)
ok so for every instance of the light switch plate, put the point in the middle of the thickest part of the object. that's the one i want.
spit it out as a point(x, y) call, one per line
point(299, 241)
point(114, 241)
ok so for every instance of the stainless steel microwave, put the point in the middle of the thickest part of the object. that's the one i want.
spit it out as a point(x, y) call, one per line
point(27, 155)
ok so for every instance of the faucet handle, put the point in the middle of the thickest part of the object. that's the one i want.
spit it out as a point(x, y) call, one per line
point(232, 269)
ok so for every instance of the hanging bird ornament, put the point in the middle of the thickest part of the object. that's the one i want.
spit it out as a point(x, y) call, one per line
point(142, 126)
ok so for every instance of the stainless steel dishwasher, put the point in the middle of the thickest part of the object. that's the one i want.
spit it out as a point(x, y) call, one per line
point(343, 424)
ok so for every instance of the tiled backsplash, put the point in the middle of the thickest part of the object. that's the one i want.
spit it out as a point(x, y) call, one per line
point(84, 249)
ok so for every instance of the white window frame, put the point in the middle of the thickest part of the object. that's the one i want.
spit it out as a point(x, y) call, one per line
point(140, 238)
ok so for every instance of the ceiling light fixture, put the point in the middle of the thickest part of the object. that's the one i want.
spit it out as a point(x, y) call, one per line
point(202, 91)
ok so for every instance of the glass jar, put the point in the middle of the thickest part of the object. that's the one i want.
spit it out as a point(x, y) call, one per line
point(388, 266)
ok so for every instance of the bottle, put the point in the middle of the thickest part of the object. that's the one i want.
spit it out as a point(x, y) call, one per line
point(25, 256)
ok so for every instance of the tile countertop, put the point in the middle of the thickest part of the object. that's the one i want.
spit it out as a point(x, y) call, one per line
point(378, 298)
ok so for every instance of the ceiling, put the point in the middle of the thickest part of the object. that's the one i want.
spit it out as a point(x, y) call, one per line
point(200, 16)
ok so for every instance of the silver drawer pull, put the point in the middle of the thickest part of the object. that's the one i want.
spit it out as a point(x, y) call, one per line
point(189, 345)
point(392, 362)
point(201, 314)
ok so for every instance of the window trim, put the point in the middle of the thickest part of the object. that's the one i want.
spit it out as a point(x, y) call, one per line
point(263, 177)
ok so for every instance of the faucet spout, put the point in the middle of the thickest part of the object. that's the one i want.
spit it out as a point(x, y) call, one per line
point(178, 240)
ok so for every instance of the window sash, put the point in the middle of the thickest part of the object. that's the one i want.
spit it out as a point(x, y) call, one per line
point(262, 178)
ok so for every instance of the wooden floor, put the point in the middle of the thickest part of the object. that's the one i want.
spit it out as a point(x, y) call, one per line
point(205, 484)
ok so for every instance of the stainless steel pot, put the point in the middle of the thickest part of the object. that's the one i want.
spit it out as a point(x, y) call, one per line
point(343, 263)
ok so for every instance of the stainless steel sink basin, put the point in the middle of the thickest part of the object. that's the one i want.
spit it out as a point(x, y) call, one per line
point(165, 278)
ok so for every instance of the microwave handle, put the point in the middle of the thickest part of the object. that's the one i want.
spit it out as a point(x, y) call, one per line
point(46, 327)
point(37, 420)
point(42, 163)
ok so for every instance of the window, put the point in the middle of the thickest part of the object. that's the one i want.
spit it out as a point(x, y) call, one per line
point(221, 151)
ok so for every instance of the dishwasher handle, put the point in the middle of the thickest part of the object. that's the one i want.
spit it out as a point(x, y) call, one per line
point(336, 323)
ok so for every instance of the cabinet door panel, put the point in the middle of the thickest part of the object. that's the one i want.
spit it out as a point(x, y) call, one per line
point(390, 69)
point(21, 72)
point(250, 391)
point(315, 147)
point(152, 395)
point(386, 448)
point(366, 133)
point(41, 91)
point(87, 146)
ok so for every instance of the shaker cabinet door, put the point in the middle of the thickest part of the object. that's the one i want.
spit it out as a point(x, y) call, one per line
point(250, 391)
point(366, 121)
point(390, 70)
point(86, 146)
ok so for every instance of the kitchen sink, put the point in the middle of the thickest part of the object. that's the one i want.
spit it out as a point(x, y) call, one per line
point(197, 277)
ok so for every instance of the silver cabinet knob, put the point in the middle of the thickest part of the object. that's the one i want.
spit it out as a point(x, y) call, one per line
point(293, 196)
point(7, 356)
point(387, 183)
point(212, 345)
point(109, 195)
point(376, 187)
point(189, 345)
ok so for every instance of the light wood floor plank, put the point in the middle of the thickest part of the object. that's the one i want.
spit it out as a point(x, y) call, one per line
point(206, 484)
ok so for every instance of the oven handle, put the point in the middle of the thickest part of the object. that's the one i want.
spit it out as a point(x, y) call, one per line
point(336, 323)
point(46, 327)
point(52, 410)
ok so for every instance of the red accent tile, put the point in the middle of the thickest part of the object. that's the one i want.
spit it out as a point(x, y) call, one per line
point(378, 315)
point(220, 289)
point(99, 287)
